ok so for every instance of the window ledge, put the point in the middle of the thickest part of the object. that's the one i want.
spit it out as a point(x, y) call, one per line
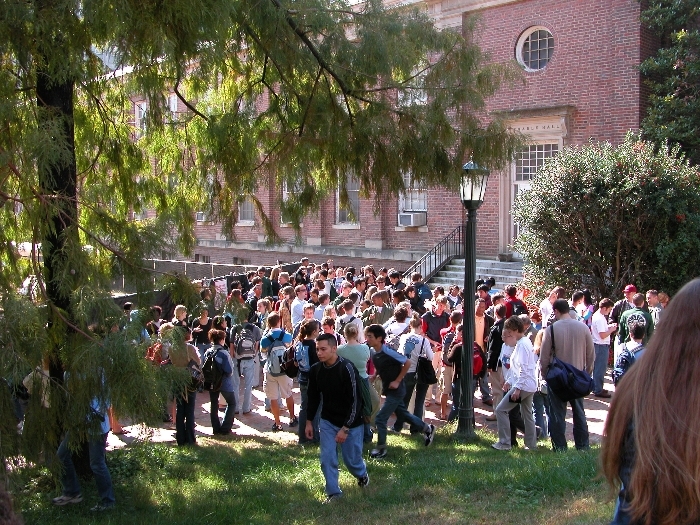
point(290, 225)
point(346, 226)
point(245, 223)
point(417, 229)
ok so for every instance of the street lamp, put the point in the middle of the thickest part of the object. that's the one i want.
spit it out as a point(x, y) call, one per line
point(472, 189)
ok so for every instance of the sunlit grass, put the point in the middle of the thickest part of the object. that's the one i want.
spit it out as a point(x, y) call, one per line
point(267, 482)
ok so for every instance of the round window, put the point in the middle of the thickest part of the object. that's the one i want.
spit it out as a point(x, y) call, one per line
point(535, 48)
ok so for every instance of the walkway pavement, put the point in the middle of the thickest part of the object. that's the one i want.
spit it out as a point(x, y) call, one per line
point(259, 422)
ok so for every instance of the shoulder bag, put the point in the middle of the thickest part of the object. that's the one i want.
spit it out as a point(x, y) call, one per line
point(425, 373)
point(566, 381)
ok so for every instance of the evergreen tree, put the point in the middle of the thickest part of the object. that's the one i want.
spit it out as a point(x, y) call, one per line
point(301, 93)
point(673, 75)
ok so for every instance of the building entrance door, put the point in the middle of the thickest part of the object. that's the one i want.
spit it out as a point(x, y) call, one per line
point(528, 161)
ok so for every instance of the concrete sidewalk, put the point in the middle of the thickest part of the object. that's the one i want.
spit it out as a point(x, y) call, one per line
point(258, 423)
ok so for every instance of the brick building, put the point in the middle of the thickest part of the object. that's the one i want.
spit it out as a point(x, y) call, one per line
point(581, 81)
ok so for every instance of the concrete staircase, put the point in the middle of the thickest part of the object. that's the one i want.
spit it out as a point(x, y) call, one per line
point(505, 273)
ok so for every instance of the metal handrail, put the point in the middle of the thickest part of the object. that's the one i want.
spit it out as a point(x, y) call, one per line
point(433, 261)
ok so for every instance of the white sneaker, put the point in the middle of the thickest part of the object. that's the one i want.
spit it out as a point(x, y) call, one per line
point(429, 435)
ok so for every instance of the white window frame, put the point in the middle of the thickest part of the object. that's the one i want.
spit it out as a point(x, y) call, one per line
point(140, 120)
point(285, 196)
point(246, 213)
point(413, 96)
point(521, 42)
point(201, 258)
point(414, 198)
point(548, 149)
point(201, 216)
point(342, 216)
point(172, 106)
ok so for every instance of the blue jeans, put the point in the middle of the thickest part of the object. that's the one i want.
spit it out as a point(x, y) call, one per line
point(223, 427)
point(304, 390)
point(69, 478)
point(540, 403)
point(394, 403)
point(600, 365)
point(202, 348)
point(410, 383)
point(483, 383)
point(246, 368)
point(352, 455)
point(184, 419)
point(557, 423)
point(454, 411)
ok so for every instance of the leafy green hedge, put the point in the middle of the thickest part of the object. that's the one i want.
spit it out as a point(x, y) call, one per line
point(602, 216)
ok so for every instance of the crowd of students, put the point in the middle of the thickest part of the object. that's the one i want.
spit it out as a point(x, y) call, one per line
point(360, 336)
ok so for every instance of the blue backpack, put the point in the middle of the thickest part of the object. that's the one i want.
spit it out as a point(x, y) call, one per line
point(301, 356)
point(624, 361)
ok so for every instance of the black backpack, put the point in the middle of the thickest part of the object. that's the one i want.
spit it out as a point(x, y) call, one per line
point(213, 375)
point(289, 364)
point(343, 323)
point(519, 307)
point(245, 342)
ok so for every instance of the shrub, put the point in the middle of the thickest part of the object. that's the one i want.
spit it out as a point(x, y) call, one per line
point(602, 216)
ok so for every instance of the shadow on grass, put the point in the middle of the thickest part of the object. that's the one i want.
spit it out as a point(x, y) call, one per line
point(264, 482)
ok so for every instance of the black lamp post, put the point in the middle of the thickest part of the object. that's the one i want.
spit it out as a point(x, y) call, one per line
point(472, 191)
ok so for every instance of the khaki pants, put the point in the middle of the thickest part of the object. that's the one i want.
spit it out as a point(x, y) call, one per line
point(496, 379)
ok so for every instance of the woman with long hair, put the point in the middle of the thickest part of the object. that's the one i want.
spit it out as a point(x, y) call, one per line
point(651, 450)
point(306, 356)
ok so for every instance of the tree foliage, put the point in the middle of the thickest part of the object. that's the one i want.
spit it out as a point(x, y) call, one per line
point(601, 217)
point(673, 75)
point(303, 93)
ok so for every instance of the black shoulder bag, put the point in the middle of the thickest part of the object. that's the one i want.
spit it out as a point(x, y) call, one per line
point(565, 380)
point(425, 373)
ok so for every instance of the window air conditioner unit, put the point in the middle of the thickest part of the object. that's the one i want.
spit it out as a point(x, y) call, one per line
point(413, 219)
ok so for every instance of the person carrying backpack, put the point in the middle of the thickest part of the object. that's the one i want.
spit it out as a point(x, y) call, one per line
point(219, 378)
point(630, 352)
point(276, 383)
point(514, 306)
point(244, 348)
point(305, 357)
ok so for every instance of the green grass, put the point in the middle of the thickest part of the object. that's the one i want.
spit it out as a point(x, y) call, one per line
point(264, 482)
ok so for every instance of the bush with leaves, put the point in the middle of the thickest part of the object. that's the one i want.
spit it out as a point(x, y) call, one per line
point(602, 216)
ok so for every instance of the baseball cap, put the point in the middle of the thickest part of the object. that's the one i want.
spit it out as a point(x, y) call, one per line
point(630, 288)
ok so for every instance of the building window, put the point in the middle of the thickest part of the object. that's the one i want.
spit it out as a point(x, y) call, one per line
point(535, 48)
point(414, 197)
point(201, 217)
point(141, 109)
point(198, 257)
point(413, 93)
point(531, 159)
point(172, 106)
point(240, 261)
point(246, 212)
point(289, 190)
point(349, 214)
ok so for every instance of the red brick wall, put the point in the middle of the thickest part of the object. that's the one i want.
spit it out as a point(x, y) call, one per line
point(594, 66)
point(599, 45)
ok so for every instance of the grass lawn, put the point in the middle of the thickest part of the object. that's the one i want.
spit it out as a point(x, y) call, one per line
point(265, 482)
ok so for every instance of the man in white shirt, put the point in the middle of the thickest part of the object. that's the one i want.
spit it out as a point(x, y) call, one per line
point(546, 305)
point(298, 304)
point(600, 331)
